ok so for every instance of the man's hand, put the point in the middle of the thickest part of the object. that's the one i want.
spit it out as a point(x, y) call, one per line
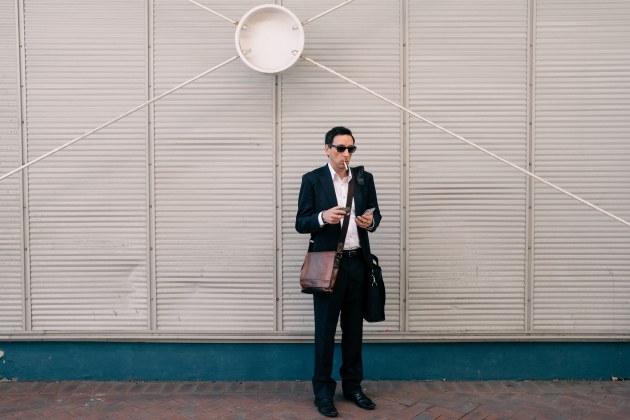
point(365, 221)
point(334, 215)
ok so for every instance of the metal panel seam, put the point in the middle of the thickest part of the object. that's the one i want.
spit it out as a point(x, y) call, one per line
point(26, 310)
point(404, 217)
point(529, 190)
point(277, 202)
point(152, 286)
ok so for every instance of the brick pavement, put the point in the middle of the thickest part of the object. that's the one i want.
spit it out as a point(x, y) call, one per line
point(491, 400)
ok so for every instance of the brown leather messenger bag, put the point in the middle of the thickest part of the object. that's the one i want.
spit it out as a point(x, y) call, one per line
point(319, 271)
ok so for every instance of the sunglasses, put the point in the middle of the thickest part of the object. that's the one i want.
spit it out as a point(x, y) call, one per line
point(342, 149)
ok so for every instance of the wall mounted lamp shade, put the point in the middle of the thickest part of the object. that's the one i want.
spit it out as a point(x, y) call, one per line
point(269, 38)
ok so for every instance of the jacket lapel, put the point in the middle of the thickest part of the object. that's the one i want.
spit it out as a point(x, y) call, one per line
point(329, 190)
point(327, 186)
point(358, 195)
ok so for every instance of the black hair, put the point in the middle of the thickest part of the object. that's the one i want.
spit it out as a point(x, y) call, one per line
point(336, 131)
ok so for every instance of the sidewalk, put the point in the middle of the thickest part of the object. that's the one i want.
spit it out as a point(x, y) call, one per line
point(294, 400)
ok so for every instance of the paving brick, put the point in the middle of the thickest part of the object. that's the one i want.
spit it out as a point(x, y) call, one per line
point(185, 387)
point(622, 387)
point(172, 415)
point(190, 411)
point(503, 416)
point(202, 388)
point(251, 386)
point(527, 413)
point(445, 412)
point(122, 387)
point(50, 388)
point(415, 409)
point(427, 416)
point(24, 416)
point(102, 388)
point(220, 386)
point(388, 405)
point(478, 413)
point(485, 387)
point(465, 387)
point(268, 386)
point(117, 406)
point(170, 387)
point(284, 387)
point(606, 414)
point(138, 388)
point(154, 388)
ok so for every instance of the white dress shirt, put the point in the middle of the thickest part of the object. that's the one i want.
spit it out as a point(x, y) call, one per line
point(341, 191)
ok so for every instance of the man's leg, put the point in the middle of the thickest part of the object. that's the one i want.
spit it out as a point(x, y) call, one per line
point(352, 326)
point(326, 307)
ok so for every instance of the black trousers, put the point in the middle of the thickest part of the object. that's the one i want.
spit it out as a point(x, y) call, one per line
point(347, 300)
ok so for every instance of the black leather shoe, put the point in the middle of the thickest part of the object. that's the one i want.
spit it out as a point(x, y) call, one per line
point(360, 399)
point(326, 407)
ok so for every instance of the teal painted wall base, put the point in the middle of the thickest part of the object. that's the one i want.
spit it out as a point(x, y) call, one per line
point(106, 361)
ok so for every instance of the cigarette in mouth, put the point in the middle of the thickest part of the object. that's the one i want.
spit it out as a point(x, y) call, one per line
point(346, 165)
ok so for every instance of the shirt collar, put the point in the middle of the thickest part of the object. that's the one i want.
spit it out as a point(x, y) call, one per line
point(334, 174)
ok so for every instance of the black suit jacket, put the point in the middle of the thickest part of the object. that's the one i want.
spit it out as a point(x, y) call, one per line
point(317, 194)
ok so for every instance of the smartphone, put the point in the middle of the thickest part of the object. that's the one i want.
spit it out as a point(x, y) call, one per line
point(369, 211)
point(345, 209)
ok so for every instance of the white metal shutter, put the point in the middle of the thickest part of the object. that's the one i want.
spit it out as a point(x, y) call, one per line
point(362, 41)
point(467, 212)
point(11, 290)
point(214, 176)
point(85, 64)
point(582, 142)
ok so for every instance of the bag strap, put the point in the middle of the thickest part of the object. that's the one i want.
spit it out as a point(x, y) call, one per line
point(346, 220)
point(344, 229)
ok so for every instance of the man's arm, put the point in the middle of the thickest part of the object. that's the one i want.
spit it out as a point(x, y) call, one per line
point(307, 220)
point(372, 201)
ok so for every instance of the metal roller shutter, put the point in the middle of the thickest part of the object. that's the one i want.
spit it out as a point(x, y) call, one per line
point(467, 212)
point(87, 204)
point(214, 177)
point(582, 142)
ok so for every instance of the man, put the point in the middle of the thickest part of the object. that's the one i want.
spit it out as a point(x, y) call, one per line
point(323, 195)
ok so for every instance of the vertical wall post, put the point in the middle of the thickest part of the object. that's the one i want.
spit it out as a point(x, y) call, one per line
point(23, 138)
point(152, 307)
point(529, 234)
point(277, 200)
point(404, 174)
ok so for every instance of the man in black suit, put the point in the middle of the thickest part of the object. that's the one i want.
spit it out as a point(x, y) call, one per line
point(323, 194)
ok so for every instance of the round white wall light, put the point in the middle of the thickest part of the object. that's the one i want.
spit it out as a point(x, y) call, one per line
point(269, 38)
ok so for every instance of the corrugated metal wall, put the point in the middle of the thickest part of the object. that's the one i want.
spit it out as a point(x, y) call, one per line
point(11, 252)
point(214, 177)
point(177, 221)
point(582, 141)
point(467, 212)
point(84, 62)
